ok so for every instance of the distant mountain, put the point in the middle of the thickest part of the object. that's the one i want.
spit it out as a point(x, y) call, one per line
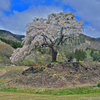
point(8, 35)
point(98, 38)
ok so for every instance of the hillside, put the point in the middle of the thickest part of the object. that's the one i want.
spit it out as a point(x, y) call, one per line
point(5, 53)
point(86, 41)
point(53, 75)
point(10, 36)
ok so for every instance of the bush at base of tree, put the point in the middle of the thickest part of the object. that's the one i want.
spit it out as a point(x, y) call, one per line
point(37, 58)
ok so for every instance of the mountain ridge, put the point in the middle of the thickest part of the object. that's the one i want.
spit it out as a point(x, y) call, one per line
point(98, 38)
point(9, 35)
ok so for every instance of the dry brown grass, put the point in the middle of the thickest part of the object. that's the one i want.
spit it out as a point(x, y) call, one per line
point(16, 67)
point(10, 72)
point(2, 71)
point(4, 80)
point(1, 42)
point(61, 75)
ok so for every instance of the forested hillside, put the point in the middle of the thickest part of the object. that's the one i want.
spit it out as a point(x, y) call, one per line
point(10, 36)
point(86, 41)
point(12, 43)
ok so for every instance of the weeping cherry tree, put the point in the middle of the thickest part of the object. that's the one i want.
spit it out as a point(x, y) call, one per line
point(50, 32)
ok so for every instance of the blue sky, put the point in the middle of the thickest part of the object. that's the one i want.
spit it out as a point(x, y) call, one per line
point(15, 14)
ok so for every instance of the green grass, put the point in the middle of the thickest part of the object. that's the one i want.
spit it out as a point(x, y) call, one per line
point(1, 67)
point(54, 91)
point(52, 63)
point(48, 94)
point(27, 96)
point(2, 83)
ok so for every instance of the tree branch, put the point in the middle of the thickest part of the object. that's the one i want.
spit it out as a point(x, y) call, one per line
point(61, 36)
point(67, 37)
point(45, 37)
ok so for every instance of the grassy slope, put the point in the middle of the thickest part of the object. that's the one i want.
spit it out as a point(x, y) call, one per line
point(10, 72)
point(59, 75)
point(62, 75)
point(1, 42)
point(5, 53)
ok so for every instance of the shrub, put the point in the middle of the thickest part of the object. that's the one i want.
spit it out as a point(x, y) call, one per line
point(98, 85)
point(46, 58)
point(59, 57)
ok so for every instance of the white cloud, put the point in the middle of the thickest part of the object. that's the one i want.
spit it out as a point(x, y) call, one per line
point(88, 10)
point(92, 32)
point(16, 22)
point(5, 5)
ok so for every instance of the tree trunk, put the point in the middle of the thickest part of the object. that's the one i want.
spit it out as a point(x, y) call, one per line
point(54, 55)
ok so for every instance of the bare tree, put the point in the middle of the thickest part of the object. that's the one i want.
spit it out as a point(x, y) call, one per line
point(50, 32)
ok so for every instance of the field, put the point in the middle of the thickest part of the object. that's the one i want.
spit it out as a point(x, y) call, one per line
point(27, 96)
point(15, 89)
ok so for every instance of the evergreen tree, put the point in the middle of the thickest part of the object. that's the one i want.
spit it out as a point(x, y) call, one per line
point(80, 55)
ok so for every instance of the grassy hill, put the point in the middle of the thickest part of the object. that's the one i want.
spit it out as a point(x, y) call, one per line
point(53, 75)
point(5, 53)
